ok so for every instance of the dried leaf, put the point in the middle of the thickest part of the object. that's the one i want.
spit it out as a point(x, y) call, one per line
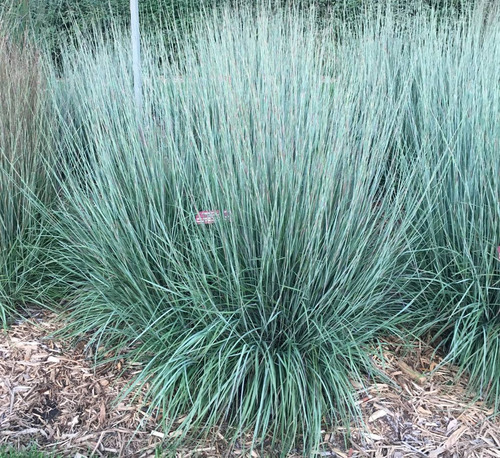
point(452, 425)
point(376, 415)
point(453, 439)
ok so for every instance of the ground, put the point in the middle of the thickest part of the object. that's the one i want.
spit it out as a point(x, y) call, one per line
point(51, 395)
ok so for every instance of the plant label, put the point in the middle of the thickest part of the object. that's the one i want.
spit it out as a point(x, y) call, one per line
point(210, 216)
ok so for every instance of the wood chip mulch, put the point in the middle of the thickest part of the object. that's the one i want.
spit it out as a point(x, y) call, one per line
point(51, 395)
point(426, 411)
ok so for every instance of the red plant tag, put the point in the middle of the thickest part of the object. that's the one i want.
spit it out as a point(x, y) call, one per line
point(498, 252)
point(210, 216)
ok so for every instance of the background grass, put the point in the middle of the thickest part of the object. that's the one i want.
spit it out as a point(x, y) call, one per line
point(452, 137)
point(32, 452)
point(24, 180)
point(55, 22)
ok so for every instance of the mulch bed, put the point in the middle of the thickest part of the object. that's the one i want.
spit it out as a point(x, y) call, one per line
point(51, 395)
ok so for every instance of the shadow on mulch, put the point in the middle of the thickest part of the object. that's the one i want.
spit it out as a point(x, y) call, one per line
point(51, 395)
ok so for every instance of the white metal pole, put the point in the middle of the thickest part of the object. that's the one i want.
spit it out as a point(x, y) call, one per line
point(136, 54)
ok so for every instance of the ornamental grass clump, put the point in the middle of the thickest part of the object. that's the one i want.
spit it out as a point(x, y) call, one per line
point(24, 181)
point(241, 237)
point(452, 137)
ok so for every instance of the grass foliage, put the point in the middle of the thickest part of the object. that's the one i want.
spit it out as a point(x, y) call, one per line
point(452, 137)
point(259, 320)
point(24, 180)
point(356, 177)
